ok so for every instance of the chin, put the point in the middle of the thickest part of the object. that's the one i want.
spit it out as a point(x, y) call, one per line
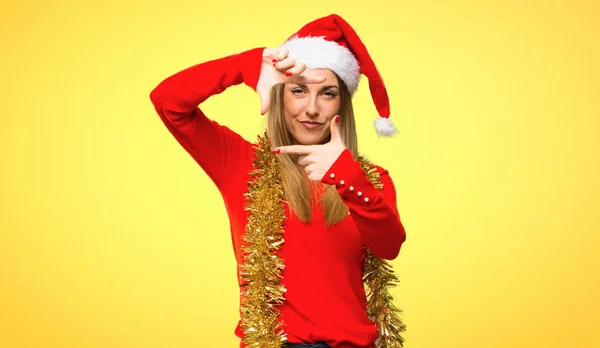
point(309, 140)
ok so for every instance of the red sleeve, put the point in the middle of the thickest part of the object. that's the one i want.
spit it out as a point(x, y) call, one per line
point(374, 211)
point(214, 147)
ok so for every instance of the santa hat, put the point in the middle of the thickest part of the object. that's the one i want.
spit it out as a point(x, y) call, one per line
point(330, 42)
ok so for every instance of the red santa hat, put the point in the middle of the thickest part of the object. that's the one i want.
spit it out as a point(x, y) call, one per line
point(330, 42)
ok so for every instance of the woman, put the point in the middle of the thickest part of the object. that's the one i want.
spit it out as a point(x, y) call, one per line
point(309, 217)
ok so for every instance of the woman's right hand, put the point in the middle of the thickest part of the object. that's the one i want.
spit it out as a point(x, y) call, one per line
point(278, 68)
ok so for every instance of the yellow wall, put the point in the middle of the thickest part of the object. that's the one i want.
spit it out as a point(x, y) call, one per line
point(111, 236)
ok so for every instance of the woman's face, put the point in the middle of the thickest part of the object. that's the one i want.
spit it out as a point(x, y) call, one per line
point(309, 109)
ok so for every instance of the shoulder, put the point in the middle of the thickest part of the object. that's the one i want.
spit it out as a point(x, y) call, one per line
point(367, 164)
point(381, 170)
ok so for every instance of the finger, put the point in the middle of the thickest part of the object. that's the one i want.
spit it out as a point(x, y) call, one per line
point(296, 149)
point(275, 54)
point(303, 79)
point(309, 169)
point(334, 126)
point(305, 160)
point(297, 69)
point(281, 53)
point(285, 64)
point(265, 101)
point(269, 53)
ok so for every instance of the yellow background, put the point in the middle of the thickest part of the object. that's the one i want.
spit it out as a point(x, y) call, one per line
point(111, 236)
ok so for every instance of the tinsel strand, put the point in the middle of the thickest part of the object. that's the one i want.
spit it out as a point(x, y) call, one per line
point(263, 289)
point(261, 270)
point(378, 278)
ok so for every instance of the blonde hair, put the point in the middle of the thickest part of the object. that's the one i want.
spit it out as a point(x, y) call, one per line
point(297, 188)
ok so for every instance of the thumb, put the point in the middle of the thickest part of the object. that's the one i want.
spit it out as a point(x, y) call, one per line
point(265, 101)
point(334, 126)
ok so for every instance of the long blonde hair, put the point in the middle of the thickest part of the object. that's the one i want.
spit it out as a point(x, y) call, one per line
point(297, 188)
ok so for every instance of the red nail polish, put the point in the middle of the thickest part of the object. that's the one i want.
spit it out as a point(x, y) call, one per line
point(337, 119)
point(276, 150)
point(287, 73)
point(274, 60)
point(274, 64)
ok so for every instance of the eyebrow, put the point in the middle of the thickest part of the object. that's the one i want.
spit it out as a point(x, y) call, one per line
point(324, 87)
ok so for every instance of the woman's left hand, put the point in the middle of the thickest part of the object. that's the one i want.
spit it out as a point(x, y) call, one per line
point(318, 159)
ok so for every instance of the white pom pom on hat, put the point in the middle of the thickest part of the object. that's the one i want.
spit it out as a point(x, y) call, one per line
point(330, 42)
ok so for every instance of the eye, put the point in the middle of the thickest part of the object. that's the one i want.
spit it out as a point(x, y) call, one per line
point(297, 91)
point(330, 94)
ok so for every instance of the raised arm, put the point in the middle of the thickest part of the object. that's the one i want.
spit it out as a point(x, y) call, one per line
point(216, 148)
point(374, 211)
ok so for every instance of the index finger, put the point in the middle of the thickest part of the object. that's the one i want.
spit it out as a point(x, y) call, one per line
point(303, 79)
point(295, 149)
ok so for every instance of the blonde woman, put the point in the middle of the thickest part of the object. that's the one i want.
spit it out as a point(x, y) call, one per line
point(312, 221)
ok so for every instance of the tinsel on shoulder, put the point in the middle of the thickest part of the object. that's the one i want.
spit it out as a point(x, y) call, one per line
point(263, 289)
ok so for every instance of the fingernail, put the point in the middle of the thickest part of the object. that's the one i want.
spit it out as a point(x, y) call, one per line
point(287, 73)
point(274, 64)
point(274, 60)
point(276, 150)
point(337, 119)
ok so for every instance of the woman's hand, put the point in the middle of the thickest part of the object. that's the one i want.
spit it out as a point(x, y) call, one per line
point(318, 159)
point(278, 68)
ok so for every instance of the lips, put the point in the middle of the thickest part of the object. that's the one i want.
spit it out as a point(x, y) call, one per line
point(311, 125)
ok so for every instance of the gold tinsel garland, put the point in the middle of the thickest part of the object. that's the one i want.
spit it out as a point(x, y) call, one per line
point(378, 278)
point(263, 289)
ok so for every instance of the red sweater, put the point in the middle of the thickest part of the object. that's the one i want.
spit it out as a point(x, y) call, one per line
point(325, 298)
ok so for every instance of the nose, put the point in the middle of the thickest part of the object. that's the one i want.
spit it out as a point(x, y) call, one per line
point(312, 109)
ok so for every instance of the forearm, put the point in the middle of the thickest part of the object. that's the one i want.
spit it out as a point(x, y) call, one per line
point(183, 91)
point(216, 148)
point(373, 210)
